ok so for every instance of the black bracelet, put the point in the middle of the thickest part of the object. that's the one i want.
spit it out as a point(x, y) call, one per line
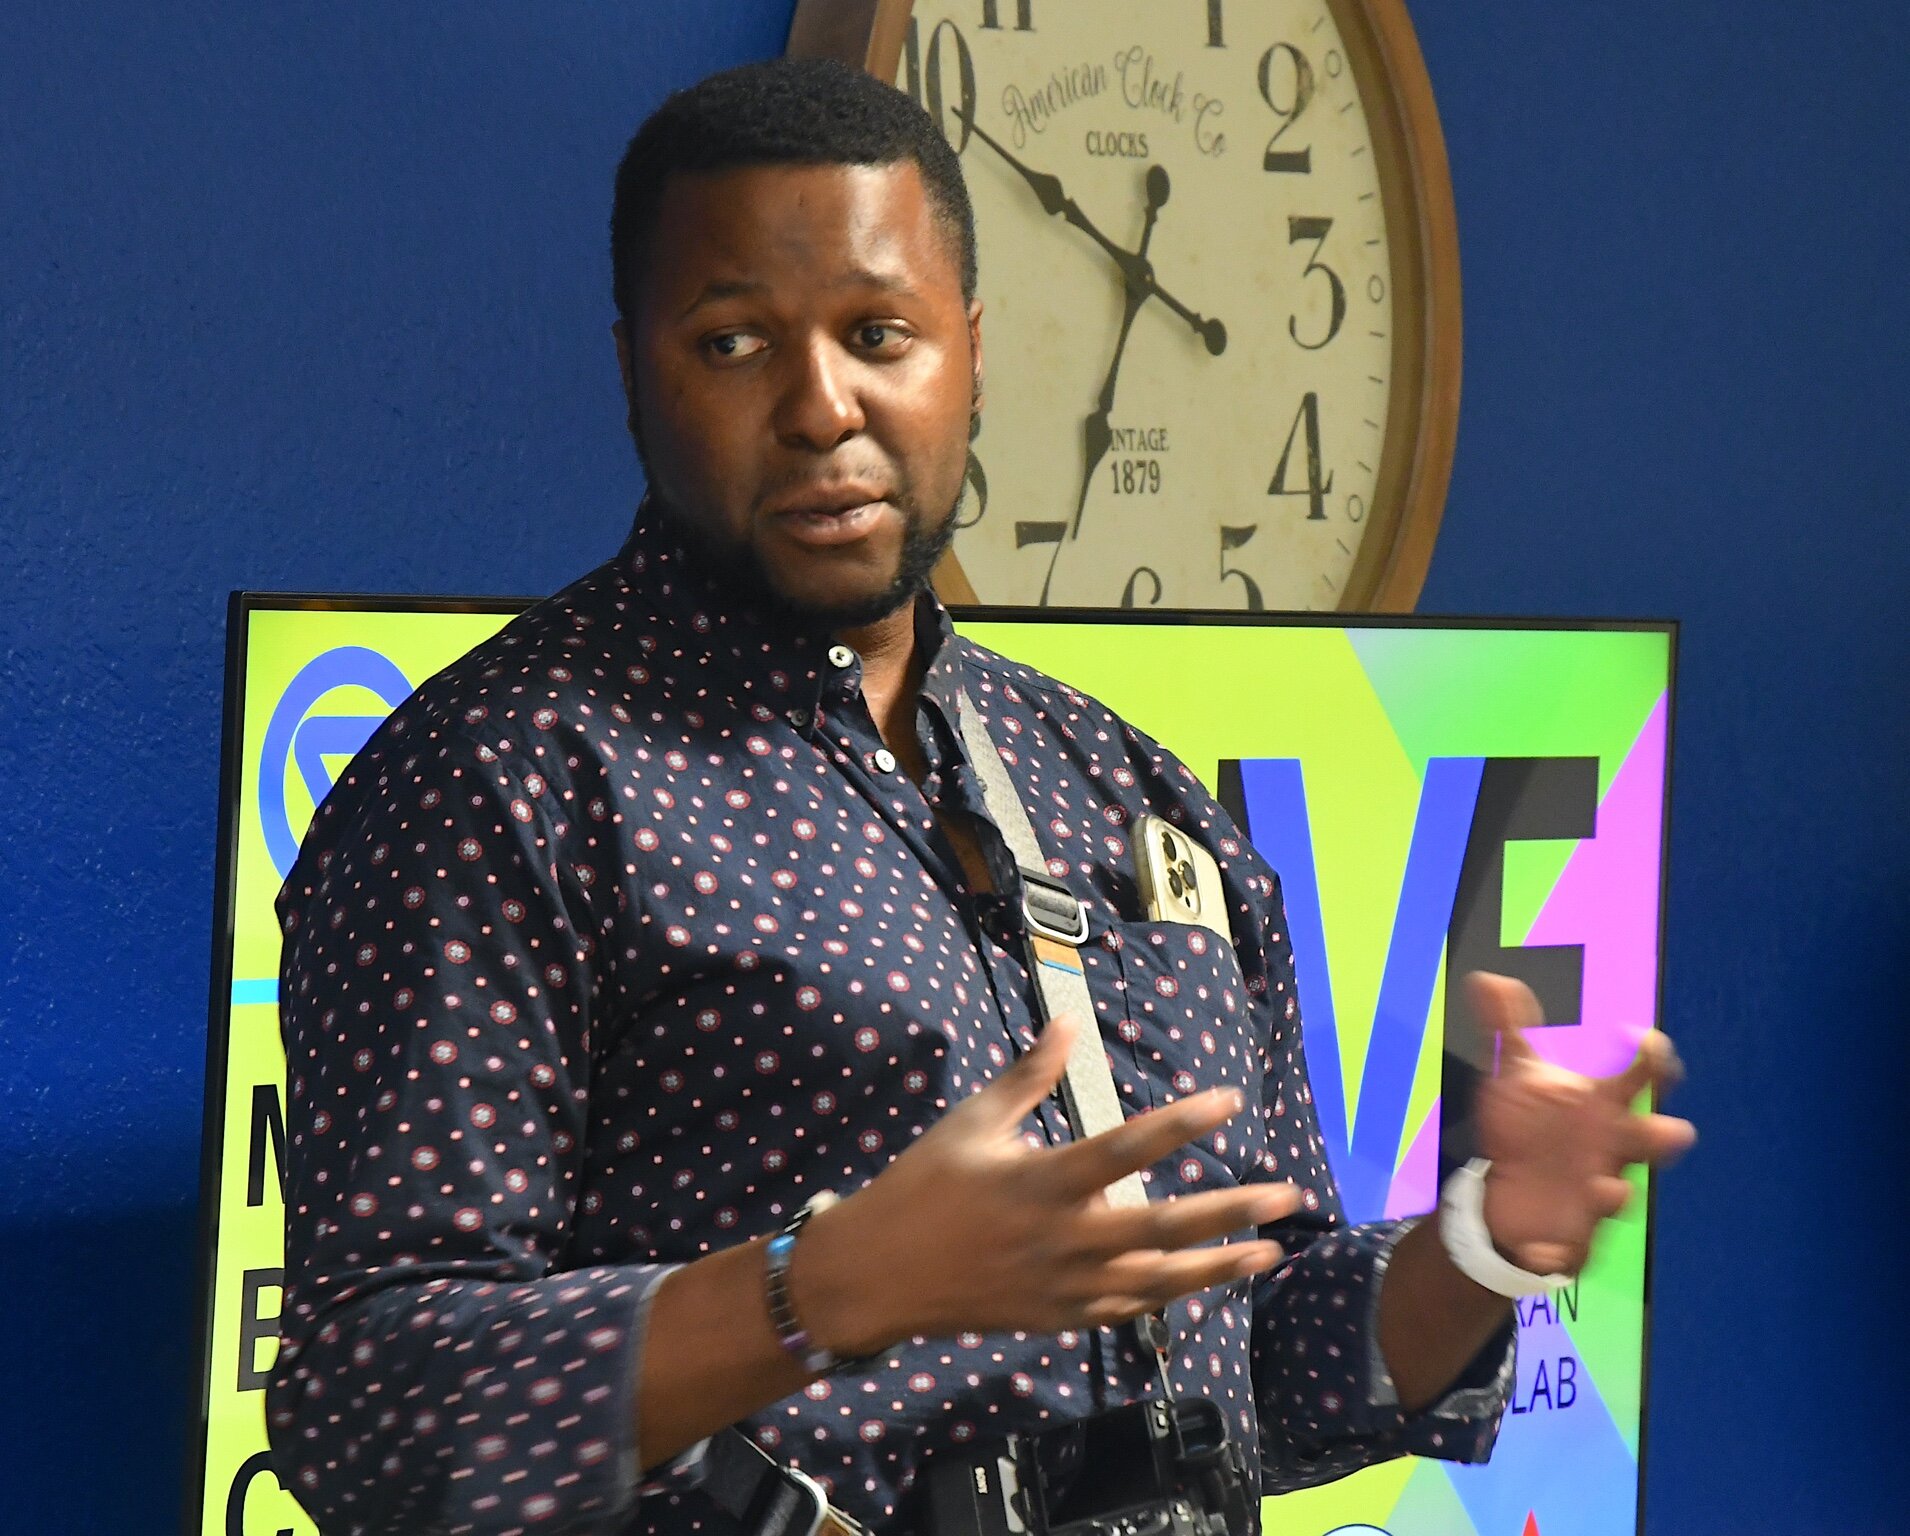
point(790, 1333)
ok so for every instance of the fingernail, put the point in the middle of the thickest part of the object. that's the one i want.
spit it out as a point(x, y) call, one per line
point(1236, 1100)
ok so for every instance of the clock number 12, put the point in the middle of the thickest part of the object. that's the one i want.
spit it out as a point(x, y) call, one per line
point(1024, 15)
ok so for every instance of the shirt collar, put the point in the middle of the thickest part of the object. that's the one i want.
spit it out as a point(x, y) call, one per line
point(759, 659)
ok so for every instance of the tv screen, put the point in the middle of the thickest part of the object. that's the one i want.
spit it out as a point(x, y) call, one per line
point(1436, 795)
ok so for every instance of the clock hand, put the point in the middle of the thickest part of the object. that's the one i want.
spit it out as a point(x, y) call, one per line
point(1054, 198)
point(1097, 435)
point(1137, 273)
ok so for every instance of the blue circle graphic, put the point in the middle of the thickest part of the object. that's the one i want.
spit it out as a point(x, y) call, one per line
point(293, 739)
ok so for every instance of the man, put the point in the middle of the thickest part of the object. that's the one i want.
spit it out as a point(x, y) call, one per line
point(678, 904)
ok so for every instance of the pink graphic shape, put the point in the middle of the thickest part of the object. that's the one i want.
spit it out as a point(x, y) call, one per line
point(1415, 1187)
point(1607, 899)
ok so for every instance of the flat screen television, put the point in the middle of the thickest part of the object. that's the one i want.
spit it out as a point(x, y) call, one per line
point(1437, 795)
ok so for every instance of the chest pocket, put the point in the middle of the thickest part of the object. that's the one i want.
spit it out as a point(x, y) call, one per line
point(1174, 1012)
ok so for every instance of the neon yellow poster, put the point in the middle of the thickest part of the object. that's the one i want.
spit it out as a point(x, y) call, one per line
point(1379, 767)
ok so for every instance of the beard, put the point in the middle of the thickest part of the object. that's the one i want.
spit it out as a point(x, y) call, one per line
point(738, 565)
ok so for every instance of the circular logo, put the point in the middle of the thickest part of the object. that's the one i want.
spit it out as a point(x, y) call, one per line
point(300, 736)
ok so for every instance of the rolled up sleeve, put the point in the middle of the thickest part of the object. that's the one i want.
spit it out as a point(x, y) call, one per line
point(1326, 1401)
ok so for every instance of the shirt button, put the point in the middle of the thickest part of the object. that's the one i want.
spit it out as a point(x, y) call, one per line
point(841, 656)
point(799, 718)
point(884, 761)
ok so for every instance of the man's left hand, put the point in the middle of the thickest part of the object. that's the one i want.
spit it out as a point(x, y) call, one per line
point(1560, 1142)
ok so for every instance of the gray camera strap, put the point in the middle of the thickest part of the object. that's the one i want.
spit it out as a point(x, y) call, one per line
point(1057, 926)
point(770, 1499)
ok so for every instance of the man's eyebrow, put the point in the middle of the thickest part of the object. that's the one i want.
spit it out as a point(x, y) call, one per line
point(724, 288)
point(748, 288)
point(887, 282)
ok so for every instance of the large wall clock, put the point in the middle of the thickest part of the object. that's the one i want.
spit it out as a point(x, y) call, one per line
point(1221, 287)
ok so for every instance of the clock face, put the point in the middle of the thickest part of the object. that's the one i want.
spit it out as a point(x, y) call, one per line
point(1187, 281)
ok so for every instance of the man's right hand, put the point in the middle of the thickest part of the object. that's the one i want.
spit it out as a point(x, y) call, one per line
point(973, 1230)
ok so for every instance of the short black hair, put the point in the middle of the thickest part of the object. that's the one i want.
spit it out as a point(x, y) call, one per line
point(779, 112)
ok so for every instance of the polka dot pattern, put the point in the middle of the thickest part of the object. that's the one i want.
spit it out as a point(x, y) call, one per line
point(617, 942)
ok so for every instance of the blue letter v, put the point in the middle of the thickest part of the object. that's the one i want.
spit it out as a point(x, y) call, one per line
point(1275, 794)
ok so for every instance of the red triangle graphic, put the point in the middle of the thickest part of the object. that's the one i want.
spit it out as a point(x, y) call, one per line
point(1531, 1524)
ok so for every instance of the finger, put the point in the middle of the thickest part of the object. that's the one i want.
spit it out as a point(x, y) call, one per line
point(1550, 1258)
point(1012, 1097)
point(1656, 1140)
point(1170, 1225)
point(1506, 1007)
point(1656, 1065)
point(1085, 1166)
point(1610, 1195)
point(1112, 1311)
point(1163, 1277)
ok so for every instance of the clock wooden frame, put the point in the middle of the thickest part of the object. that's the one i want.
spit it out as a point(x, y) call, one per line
point(1422, 422)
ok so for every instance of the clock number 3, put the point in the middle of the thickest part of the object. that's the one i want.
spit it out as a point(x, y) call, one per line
point(1289, 161)
point(1317, 230)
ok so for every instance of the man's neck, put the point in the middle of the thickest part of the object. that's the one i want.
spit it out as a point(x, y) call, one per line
point(891, 677)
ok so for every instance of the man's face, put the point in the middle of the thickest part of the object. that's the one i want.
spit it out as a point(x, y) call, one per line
point(801, 371)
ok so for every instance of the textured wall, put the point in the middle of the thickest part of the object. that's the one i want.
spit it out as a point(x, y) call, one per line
point(315, 297)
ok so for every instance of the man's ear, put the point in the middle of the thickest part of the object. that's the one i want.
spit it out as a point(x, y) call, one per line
point(622, 333)
point(975, 347)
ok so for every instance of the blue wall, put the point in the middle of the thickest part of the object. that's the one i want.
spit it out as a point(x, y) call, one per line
point(302, 296)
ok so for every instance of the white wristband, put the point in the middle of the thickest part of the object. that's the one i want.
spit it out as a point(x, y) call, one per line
point(1462, 1227)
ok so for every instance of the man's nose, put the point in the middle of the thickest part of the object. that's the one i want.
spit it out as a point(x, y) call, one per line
point(819, 408)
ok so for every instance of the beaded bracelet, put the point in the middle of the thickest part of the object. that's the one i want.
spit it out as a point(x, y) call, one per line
point(790, 1333)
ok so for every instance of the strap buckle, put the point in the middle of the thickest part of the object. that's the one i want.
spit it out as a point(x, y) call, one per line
point(1051, 910)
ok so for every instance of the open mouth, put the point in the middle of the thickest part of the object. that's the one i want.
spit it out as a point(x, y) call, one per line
point(830, 520)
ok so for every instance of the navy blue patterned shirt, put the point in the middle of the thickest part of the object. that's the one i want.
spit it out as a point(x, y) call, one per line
point(623, 937)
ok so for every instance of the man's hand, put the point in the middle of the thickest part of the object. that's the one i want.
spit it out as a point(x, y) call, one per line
point(1559, 1142)
point(972, 1229)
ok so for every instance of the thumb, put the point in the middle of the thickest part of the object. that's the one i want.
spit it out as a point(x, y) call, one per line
point(1656, 1065)
point(1013, 1095)
point(1506, 1007)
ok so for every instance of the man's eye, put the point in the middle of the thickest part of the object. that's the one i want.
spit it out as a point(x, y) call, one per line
point(878, 337)
point(731, 346)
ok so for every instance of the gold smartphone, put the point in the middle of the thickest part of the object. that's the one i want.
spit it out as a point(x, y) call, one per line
point(1178, 879)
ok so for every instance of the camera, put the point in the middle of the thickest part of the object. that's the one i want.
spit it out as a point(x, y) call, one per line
point(1150, 1469)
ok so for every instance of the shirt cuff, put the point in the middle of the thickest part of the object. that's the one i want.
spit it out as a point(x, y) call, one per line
point(1478, 1396)
point(1328, 1403)
point(683, 1470)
